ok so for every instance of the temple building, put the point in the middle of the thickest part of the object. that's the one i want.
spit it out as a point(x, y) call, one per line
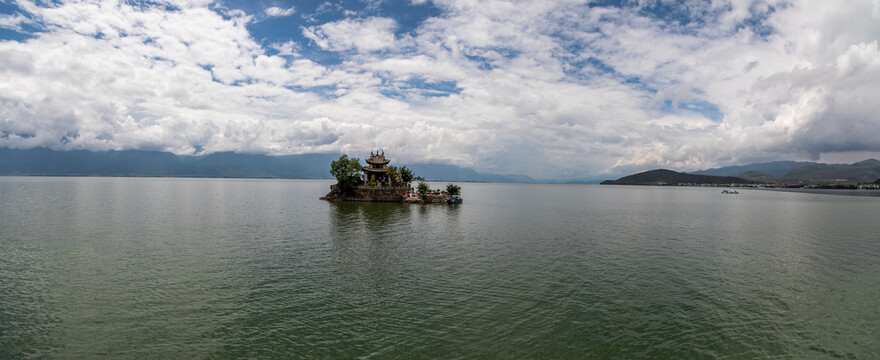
point(377, 165)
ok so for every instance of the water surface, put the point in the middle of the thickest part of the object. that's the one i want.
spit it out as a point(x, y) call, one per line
point(230, 268)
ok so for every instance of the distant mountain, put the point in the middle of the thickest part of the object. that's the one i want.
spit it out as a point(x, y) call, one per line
point(759, 177)
point(863, 171)
point(581, 181)
point(800, 172)
point(41, 161)
point(774, 168)
point(442, 172)
point(669, 177)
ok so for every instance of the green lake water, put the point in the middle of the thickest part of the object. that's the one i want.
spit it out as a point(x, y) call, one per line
point(161, 268)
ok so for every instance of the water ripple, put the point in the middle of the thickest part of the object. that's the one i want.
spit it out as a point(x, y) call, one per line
point(213, 268)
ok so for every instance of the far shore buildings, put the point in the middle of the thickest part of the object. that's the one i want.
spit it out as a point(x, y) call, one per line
point(377, 165)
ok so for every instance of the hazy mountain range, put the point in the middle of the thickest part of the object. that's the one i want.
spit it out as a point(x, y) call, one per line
point(778, 172)
point(45, 162)
point(791, 172)
point(774, 168)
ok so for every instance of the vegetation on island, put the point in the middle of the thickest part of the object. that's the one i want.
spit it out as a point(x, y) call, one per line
point(347, 172)
point(386, 183)
point(399, 175)
point(393, 174)
point(423, 187)
point(406, 175)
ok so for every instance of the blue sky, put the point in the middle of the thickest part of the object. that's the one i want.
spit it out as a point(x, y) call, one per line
point(551, 89)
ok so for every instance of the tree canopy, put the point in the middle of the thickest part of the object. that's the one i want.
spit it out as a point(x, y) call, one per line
point(347, 172)
point(393, 174)
point(406, 175)
point(453, 189)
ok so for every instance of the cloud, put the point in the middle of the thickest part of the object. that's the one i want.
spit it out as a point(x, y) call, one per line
point(14, 21)
point(375, 33)
point(549, 89)
point(279, 12)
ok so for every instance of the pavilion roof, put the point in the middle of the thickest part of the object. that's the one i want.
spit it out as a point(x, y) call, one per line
point(377, 159)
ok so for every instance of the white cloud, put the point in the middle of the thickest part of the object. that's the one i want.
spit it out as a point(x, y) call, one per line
point(279, 12)
point(13, 21)
point(375, 33)
point(551, 89)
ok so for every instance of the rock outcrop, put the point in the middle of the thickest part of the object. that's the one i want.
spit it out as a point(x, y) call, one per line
point(359, 194)
point(377, 194)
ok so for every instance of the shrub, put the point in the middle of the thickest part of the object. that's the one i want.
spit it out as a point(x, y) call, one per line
point(423, 188)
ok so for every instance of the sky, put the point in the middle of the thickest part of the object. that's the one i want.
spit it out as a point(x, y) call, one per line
point(550, 89)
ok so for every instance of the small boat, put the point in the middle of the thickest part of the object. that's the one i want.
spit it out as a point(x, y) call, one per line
point(725, 191)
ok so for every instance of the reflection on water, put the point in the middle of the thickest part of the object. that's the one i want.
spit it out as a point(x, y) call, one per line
point(226, 268)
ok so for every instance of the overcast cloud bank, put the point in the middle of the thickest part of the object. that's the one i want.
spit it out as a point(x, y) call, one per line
point(550, 89)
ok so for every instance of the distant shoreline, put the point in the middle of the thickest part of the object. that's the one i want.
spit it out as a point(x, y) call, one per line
point(843, 192)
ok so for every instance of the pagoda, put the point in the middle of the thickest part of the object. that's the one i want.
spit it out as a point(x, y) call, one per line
point(377, 165)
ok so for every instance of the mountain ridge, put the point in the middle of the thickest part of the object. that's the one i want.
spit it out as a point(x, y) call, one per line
point(865, 171)
point(772, 168)
point(146, 163)
point(669, 177)
point(858, 172)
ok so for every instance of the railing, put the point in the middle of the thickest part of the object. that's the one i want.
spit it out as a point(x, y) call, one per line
point(376, 187)
point(367, 187)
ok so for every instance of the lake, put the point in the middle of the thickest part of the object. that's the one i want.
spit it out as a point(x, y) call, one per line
point(249, 268)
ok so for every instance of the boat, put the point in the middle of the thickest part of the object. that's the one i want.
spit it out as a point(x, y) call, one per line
point(725, 191)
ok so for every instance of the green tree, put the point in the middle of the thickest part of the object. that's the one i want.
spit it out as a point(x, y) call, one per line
point(406, 175)
point(373, 180)
point(453, 189)
point(423, 188)
point(347, 172)
point(393, 174)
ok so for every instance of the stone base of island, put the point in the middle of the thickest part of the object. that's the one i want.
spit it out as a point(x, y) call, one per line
point(389, 194)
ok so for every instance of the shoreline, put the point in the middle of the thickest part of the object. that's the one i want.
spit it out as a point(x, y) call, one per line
point(839, 192)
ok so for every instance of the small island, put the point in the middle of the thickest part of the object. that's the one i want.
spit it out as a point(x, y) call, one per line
point(381, 182)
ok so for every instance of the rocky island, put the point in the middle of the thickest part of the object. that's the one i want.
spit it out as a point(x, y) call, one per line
point(381, 182)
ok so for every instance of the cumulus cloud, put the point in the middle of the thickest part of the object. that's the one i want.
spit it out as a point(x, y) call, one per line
point(375, 33)
point(14, 21)
point(279, 12)
point(549, 89)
